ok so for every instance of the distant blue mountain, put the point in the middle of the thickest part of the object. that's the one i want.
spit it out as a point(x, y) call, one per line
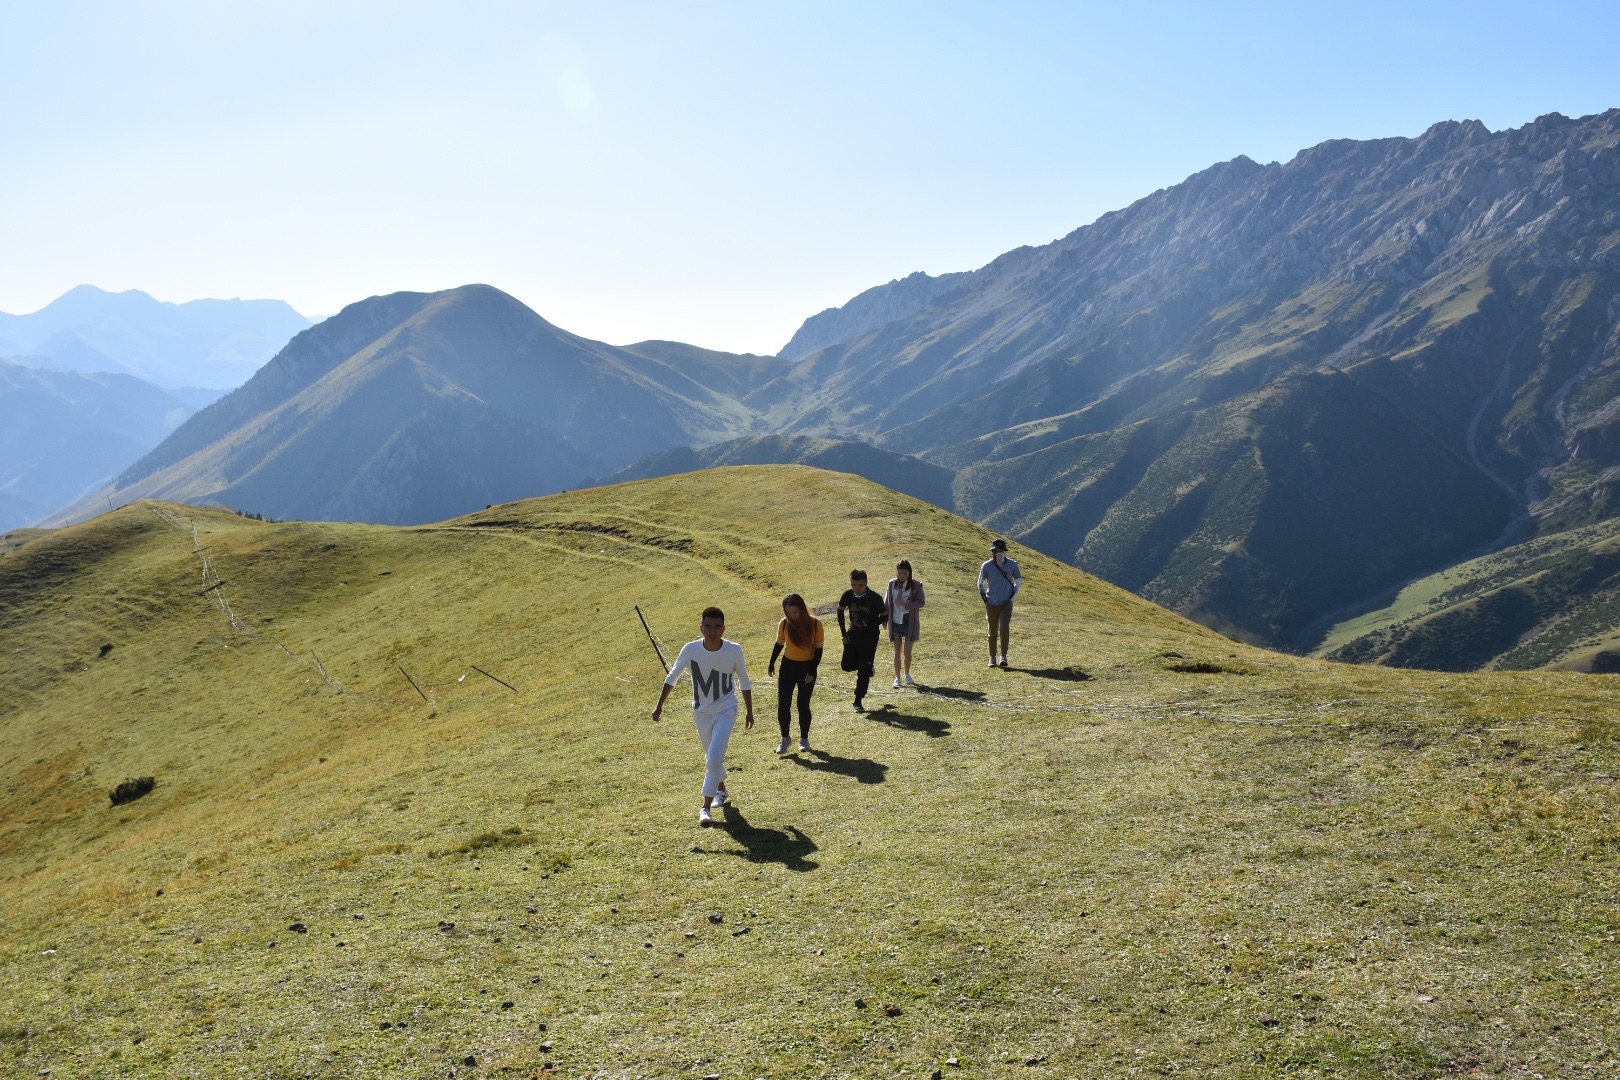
point(62, 434)
point(203, 343)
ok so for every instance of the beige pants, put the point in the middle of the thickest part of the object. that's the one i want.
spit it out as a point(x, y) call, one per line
point(999, 617)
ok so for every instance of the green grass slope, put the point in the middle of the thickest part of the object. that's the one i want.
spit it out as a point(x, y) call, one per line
point(1551, 602)
point(1144, 850)
point(16, 538)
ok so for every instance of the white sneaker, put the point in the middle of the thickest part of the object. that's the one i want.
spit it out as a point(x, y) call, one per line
point(897, 682)
point(804, 746)
point(784, 746)
point(1003, 662)
point(705, 819)
point(992, 661)
point(909, 680)
point(722, 798)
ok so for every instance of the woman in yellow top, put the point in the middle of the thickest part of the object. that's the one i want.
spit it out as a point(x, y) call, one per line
point(801, 635)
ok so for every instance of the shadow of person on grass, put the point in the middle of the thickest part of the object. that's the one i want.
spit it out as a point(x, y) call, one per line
point(951, 692)
point(864, 770)
point(790, 847)
point(888, 714)
point(1061, 674)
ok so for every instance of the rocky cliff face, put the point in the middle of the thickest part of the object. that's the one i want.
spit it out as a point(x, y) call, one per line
point(1467, 282)
point(875, 307)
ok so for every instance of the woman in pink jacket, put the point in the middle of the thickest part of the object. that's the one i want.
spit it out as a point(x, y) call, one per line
point(904, 599)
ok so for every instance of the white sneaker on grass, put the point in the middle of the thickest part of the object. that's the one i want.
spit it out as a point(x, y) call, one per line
point(992, 661)
point(897, 682)
point(909, 680)
point(705, 818)
point(784, 746)
point(722, 798)
point(804, 746)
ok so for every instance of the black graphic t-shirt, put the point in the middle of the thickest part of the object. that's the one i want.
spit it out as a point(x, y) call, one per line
point(865, 613)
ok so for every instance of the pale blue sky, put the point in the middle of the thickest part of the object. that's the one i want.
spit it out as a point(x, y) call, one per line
point(710, 172)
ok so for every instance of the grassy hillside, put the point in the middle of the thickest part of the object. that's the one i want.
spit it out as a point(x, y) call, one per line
point(911, 476)
point(1144, 850)
point(16, 538)
point(1552, 602)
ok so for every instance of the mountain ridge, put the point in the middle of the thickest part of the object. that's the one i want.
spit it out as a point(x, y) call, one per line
point(897, 472)
point(1467, 278)
point(199, 343)
point(1414, 342)
point(416, 407)
point(63, 433)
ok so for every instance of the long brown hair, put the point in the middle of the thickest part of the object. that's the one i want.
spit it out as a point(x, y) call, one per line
point(801, 631)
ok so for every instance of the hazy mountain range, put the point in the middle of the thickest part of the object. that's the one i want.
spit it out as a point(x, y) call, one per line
point(214, 344)
point(96, 379)
point(1267, 397)
point(415, 407)
point(63, 433)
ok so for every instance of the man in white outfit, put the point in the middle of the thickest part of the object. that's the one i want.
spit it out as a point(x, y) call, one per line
point(718, 672)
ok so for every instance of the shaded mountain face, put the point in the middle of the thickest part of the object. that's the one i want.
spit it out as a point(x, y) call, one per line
point(418, 407)
point(63, 433)
point(1273, 391)
point(202, 343)
point(897, 472)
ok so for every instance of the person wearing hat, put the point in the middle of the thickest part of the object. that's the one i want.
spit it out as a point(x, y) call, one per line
point(999, 582)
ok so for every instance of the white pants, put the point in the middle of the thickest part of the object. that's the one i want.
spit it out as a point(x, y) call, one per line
point(714, 734)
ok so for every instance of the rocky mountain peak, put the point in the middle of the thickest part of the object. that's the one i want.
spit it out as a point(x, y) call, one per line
point(1463, 281)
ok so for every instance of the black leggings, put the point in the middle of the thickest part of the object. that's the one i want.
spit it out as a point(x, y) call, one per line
point(792, 675)
point(863, 650)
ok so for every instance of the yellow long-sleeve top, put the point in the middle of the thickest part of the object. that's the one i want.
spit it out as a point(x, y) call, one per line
point(818, 638)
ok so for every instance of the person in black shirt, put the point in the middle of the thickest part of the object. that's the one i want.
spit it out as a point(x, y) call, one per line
point(866, 612)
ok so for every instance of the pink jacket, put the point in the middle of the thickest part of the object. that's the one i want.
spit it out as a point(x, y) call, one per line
point(892, 602)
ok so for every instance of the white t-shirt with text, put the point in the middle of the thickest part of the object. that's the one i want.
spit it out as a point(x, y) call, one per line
point(716, 676)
